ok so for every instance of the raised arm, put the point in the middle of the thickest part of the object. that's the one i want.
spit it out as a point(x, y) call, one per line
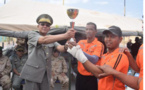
point(53, 38)
point(16, 34)
point(92, 68)
point(129, 80)
point(132, 62)
point(78, 53)
point(92, 58)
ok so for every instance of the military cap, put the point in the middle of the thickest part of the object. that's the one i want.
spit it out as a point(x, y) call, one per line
point(44, 18)
point(19, 48)
point(114, 30)
point(1, 48)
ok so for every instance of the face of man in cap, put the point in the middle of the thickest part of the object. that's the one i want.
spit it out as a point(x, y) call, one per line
point(112, 41)
point(113, 37)
point(19, 51)
point(56, 54)
point(44, 22)
point(43, 27)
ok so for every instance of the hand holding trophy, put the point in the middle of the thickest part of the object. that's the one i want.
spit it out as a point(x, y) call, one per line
point(72, 14)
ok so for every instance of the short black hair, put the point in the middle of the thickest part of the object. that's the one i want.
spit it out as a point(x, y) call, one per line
point(91, 23)
point(136, 38)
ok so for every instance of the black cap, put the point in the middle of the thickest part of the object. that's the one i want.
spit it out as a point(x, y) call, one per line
point(114, 30)
point(44, 18)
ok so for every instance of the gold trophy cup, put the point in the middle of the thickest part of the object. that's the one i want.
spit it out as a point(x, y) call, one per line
point(72, 14)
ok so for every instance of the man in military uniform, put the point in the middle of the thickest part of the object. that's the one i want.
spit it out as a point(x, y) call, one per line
point(9, 51)
point(18, 60)
point(5, 69)
point(59, 70)
point(37, 69)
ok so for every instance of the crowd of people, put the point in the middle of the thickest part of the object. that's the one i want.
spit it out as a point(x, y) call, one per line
point(134, 47)
point(37, 61)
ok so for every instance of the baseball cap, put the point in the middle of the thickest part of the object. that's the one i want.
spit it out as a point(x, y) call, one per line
point(114, 30)
point(44, 18)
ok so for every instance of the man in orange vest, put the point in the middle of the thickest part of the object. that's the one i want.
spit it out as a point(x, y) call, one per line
point(93, 50)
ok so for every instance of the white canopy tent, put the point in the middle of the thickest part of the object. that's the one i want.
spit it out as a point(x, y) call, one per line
point(22, 14)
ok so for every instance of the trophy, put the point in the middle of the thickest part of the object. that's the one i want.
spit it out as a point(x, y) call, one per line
point(72, 14)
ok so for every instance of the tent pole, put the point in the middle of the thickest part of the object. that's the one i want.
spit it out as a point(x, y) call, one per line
point(70, 61)
point(63, 2)
point(4, 1)
point(124, 8)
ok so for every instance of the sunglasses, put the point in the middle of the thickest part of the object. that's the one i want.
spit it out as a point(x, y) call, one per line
point(20, 51)
point(45, 24)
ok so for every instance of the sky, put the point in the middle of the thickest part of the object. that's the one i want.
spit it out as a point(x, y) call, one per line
point(134, 8)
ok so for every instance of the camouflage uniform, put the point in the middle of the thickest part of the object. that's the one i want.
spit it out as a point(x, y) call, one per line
point(20, 41)
point(59, 66)
point(5, 69)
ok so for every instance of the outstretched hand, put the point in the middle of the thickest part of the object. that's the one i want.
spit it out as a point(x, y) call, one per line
point(73, 50)
point(69, 44)
point(77, 52)
point(107, 70)
point(70, 33)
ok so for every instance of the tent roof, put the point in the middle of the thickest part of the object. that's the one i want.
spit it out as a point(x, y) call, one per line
point(22, 14)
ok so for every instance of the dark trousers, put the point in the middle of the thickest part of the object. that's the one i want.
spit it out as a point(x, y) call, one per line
point(86, 82)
